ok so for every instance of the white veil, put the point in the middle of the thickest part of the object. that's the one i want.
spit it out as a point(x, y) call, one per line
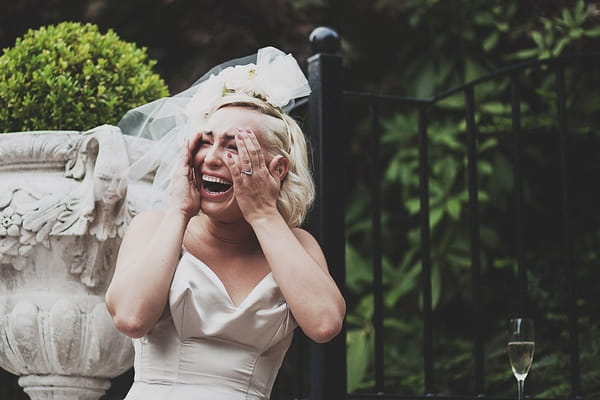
point(270, 75)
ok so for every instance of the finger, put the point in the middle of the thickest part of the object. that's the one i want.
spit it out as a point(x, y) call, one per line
point(243, 152)
point(234, 169)
point(255, 148)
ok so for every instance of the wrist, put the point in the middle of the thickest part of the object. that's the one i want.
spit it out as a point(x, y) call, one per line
point(177, 215)
point(268, 219)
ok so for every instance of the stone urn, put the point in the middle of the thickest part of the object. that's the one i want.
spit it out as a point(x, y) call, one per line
point(65, 202)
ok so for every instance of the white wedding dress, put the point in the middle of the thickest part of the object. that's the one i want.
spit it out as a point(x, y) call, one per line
point(205, 347)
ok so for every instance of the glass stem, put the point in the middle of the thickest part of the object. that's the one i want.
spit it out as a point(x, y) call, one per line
point(520, 386)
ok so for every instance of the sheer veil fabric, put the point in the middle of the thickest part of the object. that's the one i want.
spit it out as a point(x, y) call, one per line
point(269, 74)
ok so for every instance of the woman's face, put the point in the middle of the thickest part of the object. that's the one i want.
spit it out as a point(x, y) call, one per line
point(217, 141)
point(110, 183)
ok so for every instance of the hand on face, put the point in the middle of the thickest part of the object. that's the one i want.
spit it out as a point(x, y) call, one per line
point(255, 183)
point(185, 195)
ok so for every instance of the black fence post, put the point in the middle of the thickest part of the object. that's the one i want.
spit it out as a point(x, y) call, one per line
point(328, 361)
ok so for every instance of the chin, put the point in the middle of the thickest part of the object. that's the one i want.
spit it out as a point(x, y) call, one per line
point(221, 212)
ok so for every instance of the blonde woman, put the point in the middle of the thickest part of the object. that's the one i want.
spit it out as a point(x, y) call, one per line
point(213, 285)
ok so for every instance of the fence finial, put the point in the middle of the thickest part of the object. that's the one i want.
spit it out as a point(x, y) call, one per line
point(324, 40)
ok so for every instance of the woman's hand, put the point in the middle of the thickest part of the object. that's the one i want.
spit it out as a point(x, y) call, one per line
point(185, 194)
point(255, 183)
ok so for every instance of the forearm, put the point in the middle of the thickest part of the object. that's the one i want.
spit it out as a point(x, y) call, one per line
point(309, 290)
point(139, 290)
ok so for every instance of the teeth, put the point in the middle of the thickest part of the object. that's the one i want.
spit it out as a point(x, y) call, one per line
point(209, 178)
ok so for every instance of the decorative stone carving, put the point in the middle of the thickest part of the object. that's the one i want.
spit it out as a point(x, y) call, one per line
point(64, 205)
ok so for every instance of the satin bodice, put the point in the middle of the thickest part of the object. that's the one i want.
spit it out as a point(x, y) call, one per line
point(206, 347)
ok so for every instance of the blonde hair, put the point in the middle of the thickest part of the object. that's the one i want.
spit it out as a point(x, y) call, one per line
point(283, 137)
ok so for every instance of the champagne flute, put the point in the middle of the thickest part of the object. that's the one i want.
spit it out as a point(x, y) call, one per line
point(521, 345)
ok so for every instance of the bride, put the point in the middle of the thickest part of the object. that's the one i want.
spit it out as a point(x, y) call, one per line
point(212, 283)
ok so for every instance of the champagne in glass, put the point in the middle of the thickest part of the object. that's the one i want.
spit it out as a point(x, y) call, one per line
point(521, 344)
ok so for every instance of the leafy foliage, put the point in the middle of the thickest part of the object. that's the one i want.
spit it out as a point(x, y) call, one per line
point(70, 76)
point(492, 35)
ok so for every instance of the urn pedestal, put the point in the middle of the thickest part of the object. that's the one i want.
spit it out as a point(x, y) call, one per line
point(65, 202)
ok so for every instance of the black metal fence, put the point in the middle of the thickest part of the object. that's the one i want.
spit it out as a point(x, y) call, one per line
point(331, 112)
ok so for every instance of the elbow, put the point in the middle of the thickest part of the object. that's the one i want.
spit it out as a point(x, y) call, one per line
point(329, 326)
point(326, 330)
point(130, 325)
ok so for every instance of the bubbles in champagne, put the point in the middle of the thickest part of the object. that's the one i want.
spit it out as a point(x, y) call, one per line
point(521, 357)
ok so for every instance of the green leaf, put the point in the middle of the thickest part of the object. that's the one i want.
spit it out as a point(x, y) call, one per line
point(496, 107)
point(435, 216)
point(359, 356)
point(453, 206)
point(567, 18)
point(595, 32)
point(490, 41)
point(526, 54)
point(538, 39)
point(454, 102)
point(406, 282)
point(562, 43)
point(576, 33)
point(413, 205)
point(484, 167)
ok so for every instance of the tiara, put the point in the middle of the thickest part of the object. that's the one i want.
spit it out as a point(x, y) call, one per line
point(275, 78)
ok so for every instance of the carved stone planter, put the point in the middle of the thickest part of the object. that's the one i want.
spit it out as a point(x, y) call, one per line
point(64, 205)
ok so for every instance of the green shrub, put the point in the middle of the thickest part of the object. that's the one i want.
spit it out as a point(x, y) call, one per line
point(70, 76)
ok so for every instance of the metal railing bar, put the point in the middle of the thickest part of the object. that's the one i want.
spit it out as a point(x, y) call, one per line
point(376, 237)
point(384, 97)
point(492, 75)
point(425, 250)
point(569, 265)
point(518, 195)
point(474, 238)
point(512, 68)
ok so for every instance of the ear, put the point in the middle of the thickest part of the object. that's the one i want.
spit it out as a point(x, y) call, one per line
point(279, 167)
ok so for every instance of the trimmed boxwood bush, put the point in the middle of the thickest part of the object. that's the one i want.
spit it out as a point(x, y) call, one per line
point(70, 76)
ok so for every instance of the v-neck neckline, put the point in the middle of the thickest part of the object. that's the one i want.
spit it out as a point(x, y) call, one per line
point(219, 283)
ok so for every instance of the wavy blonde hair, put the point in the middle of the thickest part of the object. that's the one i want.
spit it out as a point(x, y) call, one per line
point(283, 136)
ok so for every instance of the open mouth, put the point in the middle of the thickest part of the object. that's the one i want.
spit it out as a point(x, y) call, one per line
point(215, 185)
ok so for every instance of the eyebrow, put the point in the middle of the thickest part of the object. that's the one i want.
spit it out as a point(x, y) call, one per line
point(228, 135)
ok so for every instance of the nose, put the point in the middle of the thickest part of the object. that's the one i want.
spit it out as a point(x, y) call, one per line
point(213, 156)
point(112, 186)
